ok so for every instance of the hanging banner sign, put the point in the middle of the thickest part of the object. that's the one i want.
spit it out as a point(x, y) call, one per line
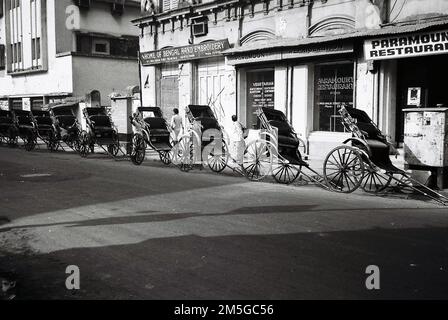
point(195, 51)
point(421, 44)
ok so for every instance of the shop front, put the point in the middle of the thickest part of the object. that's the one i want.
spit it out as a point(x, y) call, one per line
point(416, 66)
point(193, 74)
point(309, 83)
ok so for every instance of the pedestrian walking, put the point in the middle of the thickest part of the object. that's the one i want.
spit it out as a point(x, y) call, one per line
point(176, 125)
point(237, 140)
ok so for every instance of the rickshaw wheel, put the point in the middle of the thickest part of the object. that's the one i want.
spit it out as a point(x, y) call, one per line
point(84, 144)
point(375, 181)
point(13, 139)
point(404, 185)
point(344, 169)
point(285, 172)
point(113, 149)
point(218, 162)
point(30, 142)
point(165, 157)
point(183, 153)
point(52, 144)
point(138, 149)
point(257, 160)
point(302, 148)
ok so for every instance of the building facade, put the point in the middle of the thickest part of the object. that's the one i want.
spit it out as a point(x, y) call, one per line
point(53, 49)
point(306, 58)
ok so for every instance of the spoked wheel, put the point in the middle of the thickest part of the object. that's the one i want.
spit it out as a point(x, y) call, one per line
point(374, 180)
point(30, 142)
point(183, 153)
point(165, 157)
point(404, 185)
point(302, 148)
point(217, 159)
point(284, 172)
point(52, 143)
point(257, 160)
point(114, 147)
point(12, 139)
point(344, 169)
point(138, 149)
point(84, 144)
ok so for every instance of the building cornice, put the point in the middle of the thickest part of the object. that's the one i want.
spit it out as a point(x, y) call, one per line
point(189, 10)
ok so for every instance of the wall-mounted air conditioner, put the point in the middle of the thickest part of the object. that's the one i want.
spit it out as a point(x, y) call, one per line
point(117, 7)
point(199, 27)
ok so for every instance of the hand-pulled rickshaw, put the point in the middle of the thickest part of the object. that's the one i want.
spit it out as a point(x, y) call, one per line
point(203, 128)
point(68, 129)
point(151, 130)
point(8, 128)
point(364, 161)
point(278, 151)
point(46, 130)
point(26, 128)
point(100, 131)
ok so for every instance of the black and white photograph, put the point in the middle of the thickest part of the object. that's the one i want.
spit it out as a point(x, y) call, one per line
point(223, 155)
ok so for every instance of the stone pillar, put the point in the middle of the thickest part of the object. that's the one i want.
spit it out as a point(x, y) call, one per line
point(149, 85)
point(302, 101)
point(186, 86)
point(388, 98)
point(280, 88)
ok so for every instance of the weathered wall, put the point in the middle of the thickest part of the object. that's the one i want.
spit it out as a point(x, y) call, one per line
point(103, 74)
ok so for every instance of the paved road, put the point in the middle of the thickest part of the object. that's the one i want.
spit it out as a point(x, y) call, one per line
point(154, 232)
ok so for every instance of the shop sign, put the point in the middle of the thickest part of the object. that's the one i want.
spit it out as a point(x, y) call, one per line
point(26, 104)
point(421, 44)
point(252, 57)
point(317, 50)
point(196, 51)
point(290, 53)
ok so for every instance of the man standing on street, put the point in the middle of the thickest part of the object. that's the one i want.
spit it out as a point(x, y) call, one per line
point(237, 138)
point(176, 125)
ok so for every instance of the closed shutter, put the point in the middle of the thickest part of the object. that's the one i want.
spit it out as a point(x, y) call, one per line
point(169, 4)
point(211, 74)
point(169, 98)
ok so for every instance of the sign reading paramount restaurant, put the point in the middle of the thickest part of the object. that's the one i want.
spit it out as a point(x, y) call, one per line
point(195, 51)
point(421, 44)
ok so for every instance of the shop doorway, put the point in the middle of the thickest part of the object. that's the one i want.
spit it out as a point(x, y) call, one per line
point(421, 82)
point(169, 89)
point(211, 85)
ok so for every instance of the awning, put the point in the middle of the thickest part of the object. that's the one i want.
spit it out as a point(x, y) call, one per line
point(273, 45)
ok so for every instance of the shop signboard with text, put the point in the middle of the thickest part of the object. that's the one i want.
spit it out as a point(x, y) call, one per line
point(414, 45)
point(195, 51)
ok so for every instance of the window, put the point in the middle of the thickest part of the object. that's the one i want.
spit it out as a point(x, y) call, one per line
point(168, 5)
point(2, 57)
point(120, 47)
point(101, 46)
point(260, 93)
point(16, 104)
point(35, 48)
point(333, 88)
point(37, 103)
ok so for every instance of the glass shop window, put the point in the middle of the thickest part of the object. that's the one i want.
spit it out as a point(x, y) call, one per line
point(333, 88)
point(259, 93)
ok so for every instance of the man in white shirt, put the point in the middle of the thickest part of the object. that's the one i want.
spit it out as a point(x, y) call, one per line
point(176, 125)
point(237, 140)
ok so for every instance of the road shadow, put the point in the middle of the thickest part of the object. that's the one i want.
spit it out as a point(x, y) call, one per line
point(413, 265)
